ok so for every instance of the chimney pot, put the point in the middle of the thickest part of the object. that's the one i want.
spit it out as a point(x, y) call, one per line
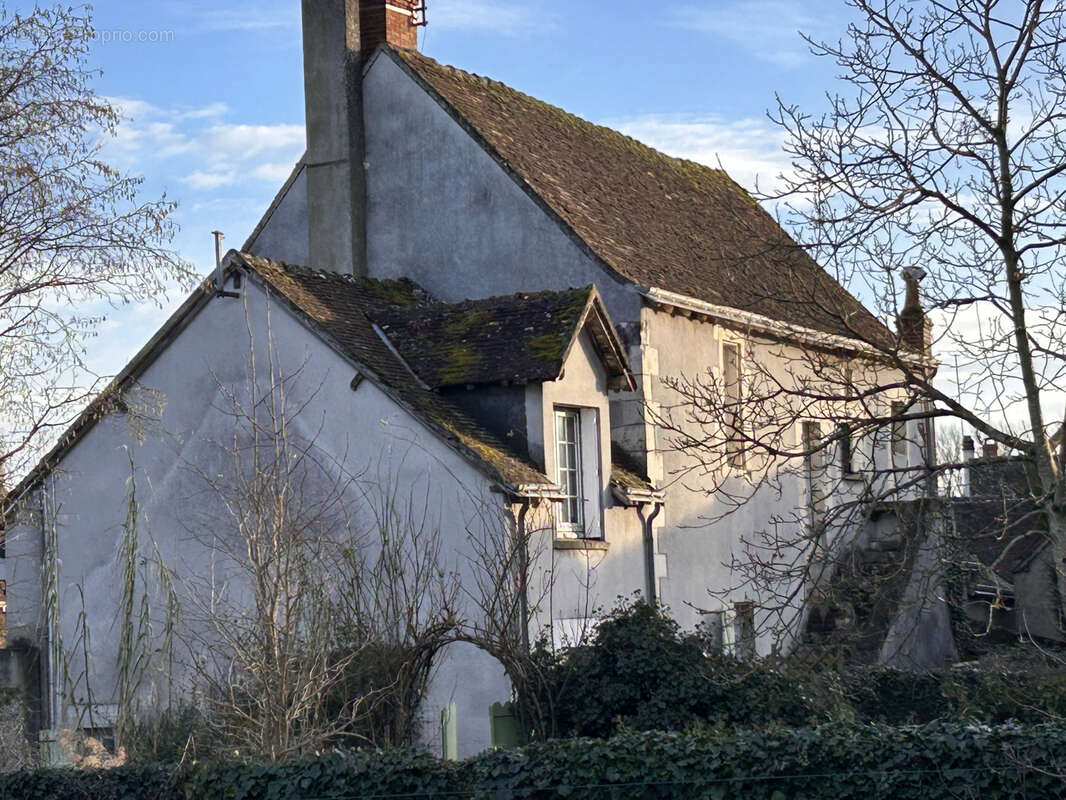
point(967, 448)
point(915, 329)
point(990, 449)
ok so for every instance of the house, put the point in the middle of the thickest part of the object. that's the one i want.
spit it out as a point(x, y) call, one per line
point(482, 294)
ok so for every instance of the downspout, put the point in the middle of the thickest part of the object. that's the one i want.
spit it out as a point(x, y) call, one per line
point(650, 592)
point(523, 567)
point(45, 657)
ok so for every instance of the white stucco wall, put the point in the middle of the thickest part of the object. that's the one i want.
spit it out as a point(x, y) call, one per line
point(283, 235)
point(581, 576)
point(704, 530)
point(442, 212)
point(365, 430)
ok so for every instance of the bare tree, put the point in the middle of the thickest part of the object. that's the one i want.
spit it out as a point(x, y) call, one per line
point(933, 186)
point(511, 596)
point(398, 599)
point(328, 595)
point(72, 229)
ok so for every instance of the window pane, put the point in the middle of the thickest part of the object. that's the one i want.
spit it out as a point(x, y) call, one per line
point(732, 398)
point(568, 467)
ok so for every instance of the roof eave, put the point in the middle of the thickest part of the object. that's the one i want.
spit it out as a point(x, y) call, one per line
point(536, 491)
point(629, 496)
point(780, 329)
point(620, 377)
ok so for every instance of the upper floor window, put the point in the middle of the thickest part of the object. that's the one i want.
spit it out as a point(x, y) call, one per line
point(568, 469)
point(731, 375)
point(846, 449)
point(899, 434)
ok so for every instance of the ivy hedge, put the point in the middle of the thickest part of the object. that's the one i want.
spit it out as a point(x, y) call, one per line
point(939, 760)
point(152, 782)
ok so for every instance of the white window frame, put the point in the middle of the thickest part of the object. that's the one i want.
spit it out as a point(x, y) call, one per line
point(815, 476)
point(736, 461)
point(577, 526)
point(736, 641)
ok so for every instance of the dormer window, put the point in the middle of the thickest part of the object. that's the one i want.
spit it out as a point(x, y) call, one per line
point(568, 466)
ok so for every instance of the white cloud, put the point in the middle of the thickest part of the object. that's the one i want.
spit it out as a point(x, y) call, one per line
point(206, 151)
point(209, 180)
point(252, 17)
point(277, 172)
point(748, 149)
point(496, 16)
point(249, 141)
point(212, 110)
point(768, 28)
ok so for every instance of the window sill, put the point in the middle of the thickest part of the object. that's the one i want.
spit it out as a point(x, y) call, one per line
point(579, 544)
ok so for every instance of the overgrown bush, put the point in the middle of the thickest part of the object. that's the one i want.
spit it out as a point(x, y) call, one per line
point(642, 672)
point(176, 735)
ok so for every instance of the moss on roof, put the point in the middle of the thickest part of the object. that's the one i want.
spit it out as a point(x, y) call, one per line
point(626, 473)
point(654, 219)
point(515, 338)
point(339, 305)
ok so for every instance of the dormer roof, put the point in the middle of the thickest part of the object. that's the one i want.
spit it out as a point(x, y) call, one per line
point(518, 338)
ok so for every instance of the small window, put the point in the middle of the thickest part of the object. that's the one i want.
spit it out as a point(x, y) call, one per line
point(738, 631)
point(732, 395)
point(815, 478)
point(899, 432)
point(744, 630)
point(712, 631)
point(846, 449)
point(568, 468)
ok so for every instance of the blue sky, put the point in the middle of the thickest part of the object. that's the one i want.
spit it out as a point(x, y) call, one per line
point(213, 93)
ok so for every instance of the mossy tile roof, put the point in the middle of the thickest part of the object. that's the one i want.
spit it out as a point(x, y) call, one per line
point(338, 306)
point(517, 338)
point(654, 220)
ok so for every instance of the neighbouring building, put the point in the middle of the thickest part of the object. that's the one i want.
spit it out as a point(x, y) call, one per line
point(1007, 582)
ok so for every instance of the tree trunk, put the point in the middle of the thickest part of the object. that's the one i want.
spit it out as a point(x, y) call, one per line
point(1056, 519)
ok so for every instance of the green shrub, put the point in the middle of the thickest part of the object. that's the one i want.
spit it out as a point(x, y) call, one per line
point(120, 783)
point(359, 774)
point(940, 761)
point(641, 672)
point(831, 761)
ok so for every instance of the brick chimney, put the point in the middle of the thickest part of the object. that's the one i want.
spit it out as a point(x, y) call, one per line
point(915, 329)
point(337, 36)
